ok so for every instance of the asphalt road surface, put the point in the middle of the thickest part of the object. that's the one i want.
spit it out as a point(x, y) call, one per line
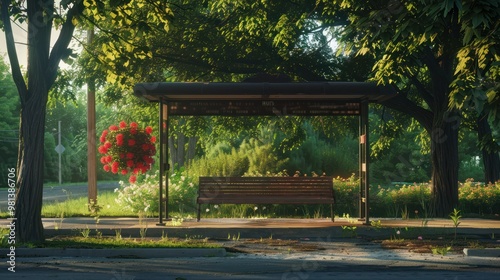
point(391, 265)
point(339, 259)
point(58, 193)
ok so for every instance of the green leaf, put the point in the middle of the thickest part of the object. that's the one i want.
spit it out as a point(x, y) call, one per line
point(467, 35)
point(448, 6)
point(477, 20)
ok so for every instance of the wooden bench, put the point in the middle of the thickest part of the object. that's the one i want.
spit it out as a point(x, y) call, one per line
point(266, 190)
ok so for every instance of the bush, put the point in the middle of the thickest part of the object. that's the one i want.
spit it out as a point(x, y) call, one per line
point(414, 200)
point(223, 164)
point(479, 198)
point(320, 156)
point(261, 157)
point(182, 191)
point(405, 201)
point(141, 197)
point(346, 195)
point(401, 202)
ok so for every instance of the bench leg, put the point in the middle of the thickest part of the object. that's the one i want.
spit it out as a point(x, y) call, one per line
point(332, 212)
point(199, 212)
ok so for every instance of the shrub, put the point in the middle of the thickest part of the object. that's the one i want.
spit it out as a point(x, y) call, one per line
point(143, 195)
point(346, 194)
point(261, 157)
point(223, 164)
point(182, 191)
point(474, 198)
point(479, 198)
point(320, 156)
point(140, 197)
point(407, 201)
point(402, 201)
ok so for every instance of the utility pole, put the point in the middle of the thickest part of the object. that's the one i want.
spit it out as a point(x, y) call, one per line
point(59, 149)
point(91, 137)
point(60, 154)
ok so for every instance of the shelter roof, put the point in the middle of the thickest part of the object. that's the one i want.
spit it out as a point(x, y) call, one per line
point(185, 91)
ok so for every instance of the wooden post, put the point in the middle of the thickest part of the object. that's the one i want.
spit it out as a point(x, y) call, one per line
point(360, 166)
point(364, 160)
point(162, 164)
point(91, 136)
point(166, 168)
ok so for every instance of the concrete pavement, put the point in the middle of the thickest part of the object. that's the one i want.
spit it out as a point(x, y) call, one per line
point(280, 228)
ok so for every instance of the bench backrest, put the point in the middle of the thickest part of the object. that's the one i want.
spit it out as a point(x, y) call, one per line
point(293, 190)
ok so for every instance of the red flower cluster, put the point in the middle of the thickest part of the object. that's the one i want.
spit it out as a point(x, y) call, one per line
point(127, 149)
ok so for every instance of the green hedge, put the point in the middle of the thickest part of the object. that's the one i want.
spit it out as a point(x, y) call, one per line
point(395, 201)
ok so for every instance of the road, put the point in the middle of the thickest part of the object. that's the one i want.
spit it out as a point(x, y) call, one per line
point(391, 265)
point(58, 193)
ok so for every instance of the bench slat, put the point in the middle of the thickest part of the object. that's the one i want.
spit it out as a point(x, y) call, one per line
point(265, 200)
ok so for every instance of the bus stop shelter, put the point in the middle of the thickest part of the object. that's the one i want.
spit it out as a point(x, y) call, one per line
point(265, 99)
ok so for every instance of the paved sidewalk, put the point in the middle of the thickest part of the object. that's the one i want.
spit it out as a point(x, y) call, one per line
point(285, 228)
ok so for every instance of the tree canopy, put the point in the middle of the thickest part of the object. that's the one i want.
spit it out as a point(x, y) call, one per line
point(440, 56)
point(9, 123)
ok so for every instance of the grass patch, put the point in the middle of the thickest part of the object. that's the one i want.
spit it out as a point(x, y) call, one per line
point(4, 241)
point(78, 207)
point(112, 242)
point(435, 246)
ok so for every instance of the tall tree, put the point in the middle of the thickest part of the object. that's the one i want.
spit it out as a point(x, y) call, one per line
point(41, 73)
point(33, 92)
point(430, 46)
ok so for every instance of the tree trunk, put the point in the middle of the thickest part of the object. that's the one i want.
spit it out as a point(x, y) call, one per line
point(177, 150)
point(181, 149)
point(29, 200)
point(191, 150)
point(41, 74)
point(172, 152)
point(444, 159)
point(29, 227)
point(443, 129)
point(491, 158)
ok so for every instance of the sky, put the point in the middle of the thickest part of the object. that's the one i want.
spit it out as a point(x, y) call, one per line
point(20, 37)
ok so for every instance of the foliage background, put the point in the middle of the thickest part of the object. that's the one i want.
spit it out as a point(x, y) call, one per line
point(325, 145)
